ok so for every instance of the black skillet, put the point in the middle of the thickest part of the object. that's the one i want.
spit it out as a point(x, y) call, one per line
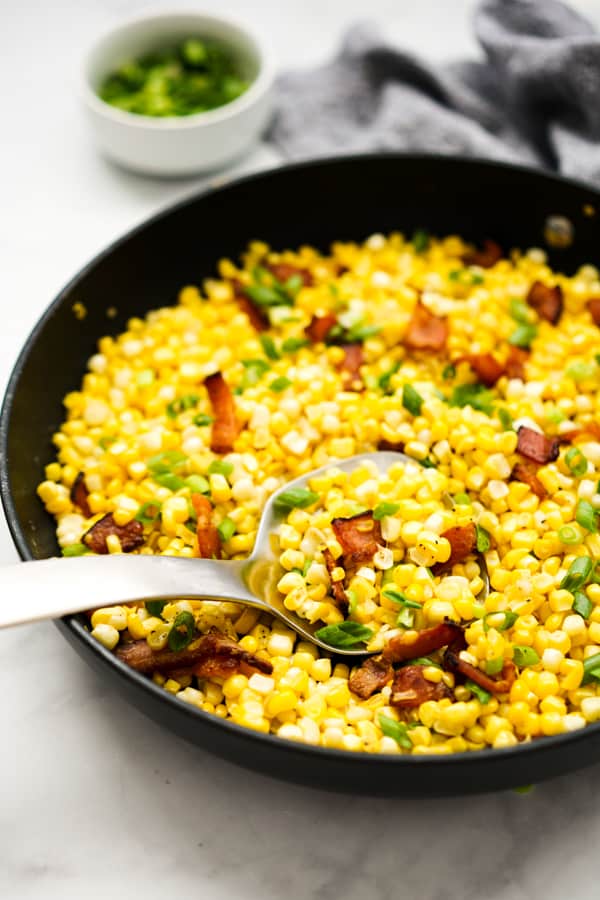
point(311, 203)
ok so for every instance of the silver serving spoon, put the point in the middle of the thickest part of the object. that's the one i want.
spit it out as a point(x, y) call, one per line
point(50, 588)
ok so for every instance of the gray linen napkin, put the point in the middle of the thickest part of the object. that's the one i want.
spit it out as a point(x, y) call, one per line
point(534, 98)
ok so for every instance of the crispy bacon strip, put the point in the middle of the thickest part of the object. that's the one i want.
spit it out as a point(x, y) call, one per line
point(284, 271)
point(411, 644)
point(486, 367)
point(359, 536)
point(425, 330)
point(337, 587)
point(410, 688)
point(212, 653)
point(488, 256)
point(394, 446)
point(374, 674)
point(225, 428)
point(209, 542)
point(80, 494)
point(501, 685)
point(463, 542)
point(547, 301)
point(130, 535)
point(319, 327)
point(537, 446)
point(515, 362)
point(594, 307)
point(526, 472)
point(350, 366)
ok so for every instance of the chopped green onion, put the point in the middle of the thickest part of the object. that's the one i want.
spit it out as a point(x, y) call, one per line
point(255, 369)
point(168, 461)
point(295, 498)
point(466, 276)
point(420, 240)
point(580, 371)
point(411, 400)
point(352, 601)
point(268, 345)
point(385, 509)
point(263, 295)
point(591, 669)
point(462, 500)
point(220, 467)
point(145, 378)
point(555, 417)
point(578, 574)
point(170, 480)
point(75, 550)
point(509, 620)
point(520, 311)
point(523, 335)
point(406, 617)
point(345, 635)
point(148, 513)
point(525, 656)
point(484, 541)
point(293, 284)
point(384, 380)
point(182, 632)
point(582, 604)
point(181, 404)
point(227, 528)
point(505, 418)
point(396, 730)
point(280, 384)
point(291, 344)
point(106, 441)
point(197, 484)
point(202, 419)
point(576, 462)
point(427, 463)
point(449, 372)
point(359, 332)
point(585, 515)
point(398, 597)
point(422, 661)
point(155, 607)
point(483, 696)
point(568, 534)
point(493, 666)
point(475, 395)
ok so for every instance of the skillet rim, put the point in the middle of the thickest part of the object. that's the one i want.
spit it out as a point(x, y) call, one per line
point(90, 647)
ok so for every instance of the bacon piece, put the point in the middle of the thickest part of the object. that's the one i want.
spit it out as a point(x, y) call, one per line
point(425, 330)
point(488, 256)
point(501, 685)
point(394, 446)
point(591, 428)
point(257, 318)
point(411, 644)
point(374, 674)
point(547, 301)
point(536, 446)
point(515, 362)
point(283, 271)
point(319, 327)
point(410, 688)
point(212, 654)
point(130, 535)
point(463, 542)
point(359, 536)
point(79, 495)
point(526, 472)
point(486, 367)
point(350, 365)
point(209, 542)
point(337, 587)
point(225, 428)
point(594, 307)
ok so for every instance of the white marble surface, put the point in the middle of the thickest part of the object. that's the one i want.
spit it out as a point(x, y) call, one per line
point(98, 802)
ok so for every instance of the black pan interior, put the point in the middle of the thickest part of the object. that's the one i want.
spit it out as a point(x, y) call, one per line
point(314, 203)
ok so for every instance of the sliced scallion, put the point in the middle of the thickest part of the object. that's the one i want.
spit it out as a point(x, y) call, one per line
point(578, 574)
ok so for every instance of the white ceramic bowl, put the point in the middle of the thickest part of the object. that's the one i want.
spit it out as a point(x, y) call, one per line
point(178, 145)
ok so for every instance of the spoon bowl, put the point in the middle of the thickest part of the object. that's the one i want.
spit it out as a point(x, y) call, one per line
point(56, 587)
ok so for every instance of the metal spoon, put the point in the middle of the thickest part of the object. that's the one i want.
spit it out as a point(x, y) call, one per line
point(50, 588)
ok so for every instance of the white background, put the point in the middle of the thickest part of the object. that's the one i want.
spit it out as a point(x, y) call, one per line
point(96, 801)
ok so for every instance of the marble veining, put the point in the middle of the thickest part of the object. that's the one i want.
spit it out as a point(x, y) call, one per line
point(96, 800)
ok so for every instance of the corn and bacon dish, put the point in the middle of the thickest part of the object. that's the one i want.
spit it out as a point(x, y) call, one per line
point(480, 366)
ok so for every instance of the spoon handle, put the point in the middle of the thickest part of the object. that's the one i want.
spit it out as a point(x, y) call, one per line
point(49, 588)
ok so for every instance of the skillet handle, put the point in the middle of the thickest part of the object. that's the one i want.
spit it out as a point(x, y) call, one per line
point(50, 588)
